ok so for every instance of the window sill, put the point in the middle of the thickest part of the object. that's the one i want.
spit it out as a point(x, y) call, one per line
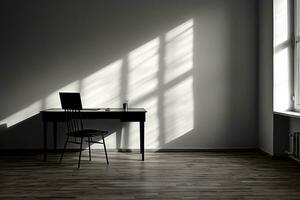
point(288, 113)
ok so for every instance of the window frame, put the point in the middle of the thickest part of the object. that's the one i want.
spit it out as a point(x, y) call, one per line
point(296, 53)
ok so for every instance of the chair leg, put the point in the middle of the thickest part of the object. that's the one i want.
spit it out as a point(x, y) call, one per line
point(80, 152)
point(105, 149)
point(65, 146)
point(90, 156)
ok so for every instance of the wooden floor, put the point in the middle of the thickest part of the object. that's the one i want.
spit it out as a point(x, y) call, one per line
point(196, 175)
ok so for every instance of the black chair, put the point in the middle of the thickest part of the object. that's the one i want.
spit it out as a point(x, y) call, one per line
point(71, 103)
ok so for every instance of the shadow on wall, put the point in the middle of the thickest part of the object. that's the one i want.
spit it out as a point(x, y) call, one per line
point(157, 76)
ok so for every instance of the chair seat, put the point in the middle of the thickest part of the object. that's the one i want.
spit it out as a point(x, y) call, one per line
point(87, 133)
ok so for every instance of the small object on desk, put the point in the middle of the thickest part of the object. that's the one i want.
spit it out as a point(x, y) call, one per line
point(107, 109)
point(125, 106)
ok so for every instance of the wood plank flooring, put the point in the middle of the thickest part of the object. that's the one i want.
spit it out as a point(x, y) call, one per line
point(177, 175)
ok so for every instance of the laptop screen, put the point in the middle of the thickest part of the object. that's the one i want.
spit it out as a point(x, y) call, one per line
point(70, 100)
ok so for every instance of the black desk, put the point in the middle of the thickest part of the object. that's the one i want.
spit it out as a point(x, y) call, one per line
point(132, 115)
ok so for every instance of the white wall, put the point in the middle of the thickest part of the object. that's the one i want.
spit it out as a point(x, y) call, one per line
point(265, 97)
point(191, 64)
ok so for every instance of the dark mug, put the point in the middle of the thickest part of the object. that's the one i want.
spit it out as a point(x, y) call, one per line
point(125, 106)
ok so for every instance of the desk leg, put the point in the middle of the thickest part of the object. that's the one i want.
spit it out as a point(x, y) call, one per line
point(45, 127)
point(54, 134)
point(142, 139)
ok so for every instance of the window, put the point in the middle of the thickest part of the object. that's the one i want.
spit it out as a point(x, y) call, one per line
point(297, 53)
point(283, 68)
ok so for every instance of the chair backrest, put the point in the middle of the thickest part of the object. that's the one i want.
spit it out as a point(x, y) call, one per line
point(71, 103)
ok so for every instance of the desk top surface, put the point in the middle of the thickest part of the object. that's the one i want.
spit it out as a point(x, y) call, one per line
point(99, 110)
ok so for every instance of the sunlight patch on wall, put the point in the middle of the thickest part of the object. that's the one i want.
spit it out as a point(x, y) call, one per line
point(23, 114)
point(143, 65)
point(143, 69)
point(164, 88)
point(101, 89)
point(179, 51)
point(179, 98)
point(51, 101)
point(179, 109)
point(152, 125)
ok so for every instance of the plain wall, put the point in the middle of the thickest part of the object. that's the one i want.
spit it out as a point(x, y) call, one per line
point(204, 99)
point(265, 47)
